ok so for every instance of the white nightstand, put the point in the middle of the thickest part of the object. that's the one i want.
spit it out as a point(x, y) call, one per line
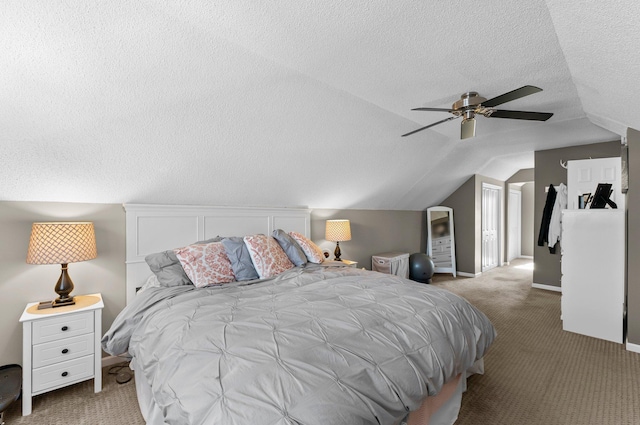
point(341, 263)
point(61, 346)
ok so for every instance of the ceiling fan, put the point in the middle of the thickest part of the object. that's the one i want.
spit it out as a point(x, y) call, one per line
point(471, 103)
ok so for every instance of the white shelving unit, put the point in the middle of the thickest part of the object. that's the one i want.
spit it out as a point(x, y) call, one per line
point(593, 265)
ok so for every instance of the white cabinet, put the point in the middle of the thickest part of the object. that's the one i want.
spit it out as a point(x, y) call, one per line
point(593, 269)
point(61, 346)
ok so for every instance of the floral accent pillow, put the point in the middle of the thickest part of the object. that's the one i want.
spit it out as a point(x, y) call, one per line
point(267, 256)
point(205, 264)
point(311, 250)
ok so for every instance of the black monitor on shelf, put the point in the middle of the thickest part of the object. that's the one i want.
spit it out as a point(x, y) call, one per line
point(601, 196)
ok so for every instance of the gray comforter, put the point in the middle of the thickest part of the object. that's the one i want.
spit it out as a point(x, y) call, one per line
point(314, 345)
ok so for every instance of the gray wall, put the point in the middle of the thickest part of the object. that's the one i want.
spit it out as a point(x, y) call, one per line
point(524, 175)
point(633, 238)
point(21, 283)
point(464, 221)
point(526, 238)
point(548, 170)
point(372, 232)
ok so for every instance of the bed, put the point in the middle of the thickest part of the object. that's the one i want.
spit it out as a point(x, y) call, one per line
point(308, 345)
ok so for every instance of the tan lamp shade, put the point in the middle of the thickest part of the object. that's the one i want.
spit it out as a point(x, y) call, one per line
point(338, 231)
point(61, 243)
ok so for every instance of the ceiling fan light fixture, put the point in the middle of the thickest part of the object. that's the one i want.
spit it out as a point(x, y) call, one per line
point(468, 128)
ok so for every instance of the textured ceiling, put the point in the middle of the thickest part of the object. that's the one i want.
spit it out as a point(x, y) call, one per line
point(297, 103)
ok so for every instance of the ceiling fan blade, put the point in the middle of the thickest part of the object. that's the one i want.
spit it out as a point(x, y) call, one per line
point(468, 128)
point(512, 95)
point(432, 109)
point(521, 115)
point(430, 125)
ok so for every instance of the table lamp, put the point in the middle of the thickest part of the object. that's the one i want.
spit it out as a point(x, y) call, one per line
point(61, 243)
point(337, 231)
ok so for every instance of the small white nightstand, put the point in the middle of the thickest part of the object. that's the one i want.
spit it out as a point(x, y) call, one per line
point(341, 263)
point(61, 346)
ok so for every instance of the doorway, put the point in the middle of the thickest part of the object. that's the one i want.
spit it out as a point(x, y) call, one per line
point(491, 196)
point(515, 225)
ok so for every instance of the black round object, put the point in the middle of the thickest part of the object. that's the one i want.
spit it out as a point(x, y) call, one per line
point(420, 267)
point(10, 385)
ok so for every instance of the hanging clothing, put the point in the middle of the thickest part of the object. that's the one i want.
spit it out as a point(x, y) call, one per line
point(555, 225)
point(543, 236)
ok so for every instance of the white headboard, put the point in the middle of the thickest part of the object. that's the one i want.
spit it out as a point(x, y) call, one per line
point(155, 228)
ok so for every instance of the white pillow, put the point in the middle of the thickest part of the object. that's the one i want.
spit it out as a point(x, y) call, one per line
point(267, 256)
point(151, 282)
point(206, 263)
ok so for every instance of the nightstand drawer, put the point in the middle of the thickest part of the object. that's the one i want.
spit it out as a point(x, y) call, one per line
point(65, 349)
point(62, 327)
point(62, 373)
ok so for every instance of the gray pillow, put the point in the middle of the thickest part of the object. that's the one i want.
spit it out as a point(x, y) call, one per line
point(290, 247)
point(166, 266)
point(240, 258)
point(216, 239)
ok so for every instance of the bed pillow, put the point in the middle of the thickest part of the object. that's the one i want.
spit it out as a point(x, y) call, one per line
point(311, 250)
point(166, 266)
point(240, 259)
point(216, 239)
point(290, 247)
point(205, 264)
point(151, 282)
point(267, 256)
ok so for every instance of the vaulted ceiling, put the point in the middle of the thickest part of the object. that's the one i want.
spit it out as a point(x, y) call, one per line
point(255, 102)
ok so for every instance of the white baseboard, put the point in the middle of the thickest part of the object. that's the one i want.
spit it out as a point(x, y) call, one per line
point(546, 287)
point(633, 347)
point(111, 360)
point(528, 257)
point(465, 274)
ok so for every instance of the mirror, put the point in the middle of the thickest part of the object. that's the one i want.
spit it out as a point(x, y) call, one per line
point(441, 245)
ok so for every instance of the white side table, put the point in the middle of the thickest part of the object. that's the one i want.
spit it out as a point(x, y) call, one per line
point(61, 346)
point(341, 263)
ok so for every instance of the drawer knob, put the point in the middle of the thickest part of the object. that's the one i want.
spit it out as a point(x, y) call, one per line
point(65, 373)
point(65, 351)
point(65, 328)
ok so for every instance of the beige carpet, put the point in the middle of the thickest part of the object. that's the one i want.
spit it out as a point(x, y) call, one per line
point(535, 372)
point(78, 404)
